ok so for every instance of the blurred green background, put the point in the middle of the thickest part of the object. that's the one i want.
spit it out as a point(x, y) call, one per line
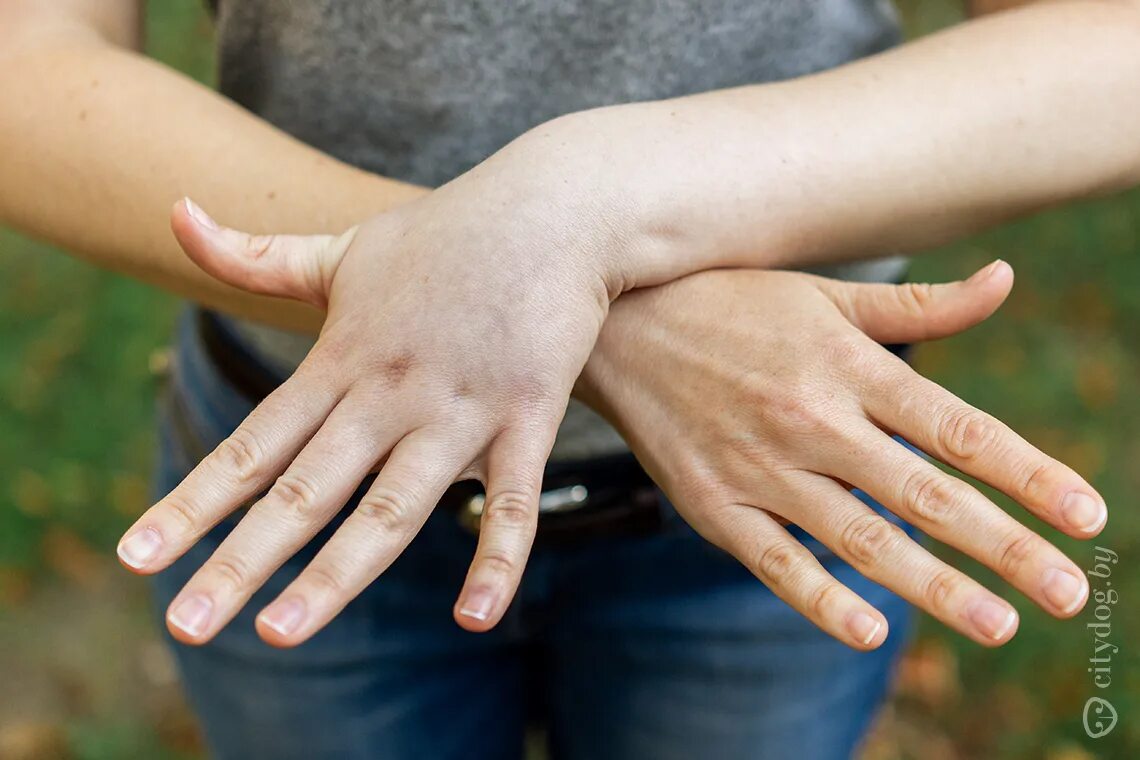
point(83, 673)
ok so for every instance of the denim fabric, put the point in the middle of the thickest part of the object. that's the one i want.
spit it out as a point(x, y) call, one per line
point(656, 647)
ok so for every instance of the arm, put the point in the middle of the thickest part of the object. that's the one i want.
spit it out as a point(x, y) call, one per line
point(955, 132)
point(798, 419)
point(97, 142)
point(483, 299)
point(853, 162)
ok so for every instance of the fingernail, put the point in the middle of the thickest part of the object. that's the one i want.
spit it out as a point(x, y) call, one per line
point(993, 619)
point(199, 216)
point(985, 272)
point(1083, 512)
point(1064, 590)
point(863, 627)
point(477, 605)
point(192, 614)
point(284, 616)
point(140, 547)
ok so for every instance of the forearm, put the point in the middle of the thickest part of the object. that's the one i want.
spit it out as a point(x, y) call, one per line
point(896, 153)
point(97, 143)
point(901, 152)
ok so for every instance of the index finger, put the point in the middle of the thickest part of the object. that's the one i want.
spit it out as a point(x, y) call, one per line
point(973, 442)
point(239, 468)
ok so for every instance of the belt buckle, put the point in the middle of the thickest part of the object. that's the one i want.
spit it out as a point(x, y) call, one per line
point(554, 501)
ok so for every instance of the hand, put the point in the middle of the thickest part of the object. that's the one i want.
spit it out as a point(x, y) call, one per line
point(456, 328)
point(760, 398)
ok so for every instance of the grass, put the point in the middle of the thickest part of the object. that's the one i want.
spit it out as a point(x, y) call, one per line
point(82, 675)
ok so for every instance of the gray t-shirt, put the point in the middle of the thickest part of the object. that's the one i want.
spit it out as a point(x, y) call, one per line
point(422, 90)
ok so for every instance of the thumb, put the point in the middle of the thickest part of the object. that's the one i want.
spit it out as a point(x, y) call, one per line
point(289, 266)
point(916, 311)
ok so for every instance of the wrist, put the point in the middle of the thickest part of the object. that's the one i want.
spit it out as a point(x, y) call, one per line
point(683, 186)
point(608, 160)
point(598, 386)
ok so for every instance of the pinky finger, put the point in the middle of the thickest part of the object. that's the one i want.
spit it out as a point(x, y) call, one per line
point(515, 465)
point(794, 574)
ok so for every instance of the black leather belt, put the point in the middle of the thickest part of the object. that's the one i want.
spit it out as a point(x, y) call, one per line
point(607, 496)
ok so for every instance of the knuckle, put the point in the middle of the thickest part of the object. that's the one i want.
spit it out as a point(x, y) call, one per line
point(1015, 552)
point(800, 415)
point(1042, 478)
point(932, 499)
point(184, 512)
point(845, 350)
point(774, 563)
point(296, 493)
point(868, 538)
point(823, 599)
point(509, 510)
point(240, 456)
point(497, 561)
point(258, 245)
point(940, 588)
point(231, 571)
point(916, 297)
point(967, 433)
point(387, 509)
point(326, 578)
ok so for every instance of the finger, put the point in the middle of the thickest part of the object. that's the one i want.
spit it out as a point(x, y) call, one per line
point(975, 443)
point(302, 501)
point(881, 551)
point(916, 311)
point(515, 465)
point(418, 471)
point(290, 266)
point(239, 468)
point(955, 513)
point(786, 567)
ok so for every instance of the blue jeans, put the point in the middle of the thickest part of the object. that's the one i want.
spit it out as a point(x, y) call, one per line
point(653, 647)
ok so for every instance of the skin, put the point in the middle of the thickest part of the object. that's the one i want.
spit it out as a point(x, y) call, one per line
point(903, 151)
point(594, 224)
point(82, 106)
point(760, 456)
point(97, 142)
point(795, 432)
